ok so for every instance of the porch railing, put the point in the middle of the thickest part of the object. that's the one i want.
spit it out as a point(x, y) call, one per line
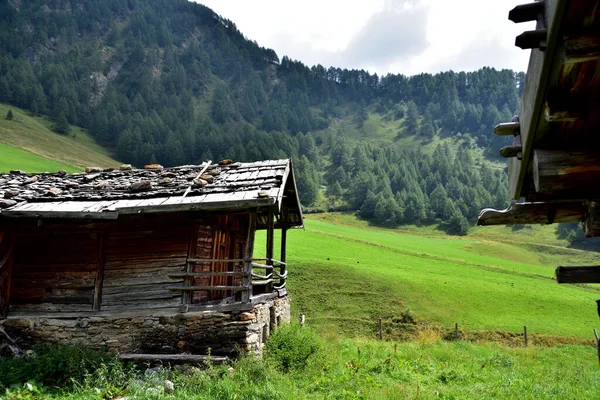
point(269, 274)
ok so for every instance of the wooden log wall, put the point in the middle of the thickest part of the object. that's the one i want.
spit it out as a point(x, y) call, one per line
point(54, 268)
point(141, 252)
point(5, 271)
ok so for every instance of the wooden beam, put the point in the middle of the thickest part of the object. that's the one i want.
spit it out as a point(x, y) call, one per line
point(527, 12)
point(270, 240)
point(507, 129)
point(186, 296)
point(248, 253)
point(536, 39)
point(591, 223)
point(102, 240)
point(282, 267)
point(6, 266)
point(541, 74)
point(578, 274)
point(581, 48)
point(182, 358)
point(511, 151)
point(566, 171)
point(208, 287)
point(206, 274)
point(533, 213)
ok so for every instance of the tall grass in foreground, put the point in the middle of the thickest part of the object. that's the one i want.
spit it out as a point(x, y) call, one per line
point(299, 364)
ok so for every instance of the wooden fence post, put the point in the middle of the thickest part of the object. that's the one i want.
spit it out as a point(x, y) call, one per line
point(380, 329)
point(456, 333)
point(525, 336)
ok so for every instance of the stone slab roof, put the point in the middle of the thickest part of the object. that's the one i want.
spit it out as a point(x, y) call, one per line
point(107, 193)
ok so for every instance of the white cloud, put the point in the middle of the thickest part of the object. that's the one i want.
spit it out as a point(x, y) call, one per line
point(397, 36)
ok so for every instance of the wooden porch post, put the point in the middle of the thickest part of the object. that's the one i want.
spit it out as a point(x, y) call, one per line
point(248, 253)
point(102, 239)
point(282, 269)
point(270, 239)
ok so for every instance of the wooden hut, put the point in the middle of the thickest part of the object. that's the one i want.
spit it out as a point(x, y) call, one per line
point(554, 166)
point(146, 261)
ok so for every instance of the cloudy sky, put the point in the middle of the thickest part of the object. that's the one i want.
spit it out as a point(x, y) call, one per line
point(397, 36)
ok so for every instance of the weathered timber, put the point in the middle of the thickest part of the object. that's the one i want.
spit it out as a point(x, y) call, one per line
point(557, 171)
point(527, 12)
point(542, 72)
point(186, 297)
point(578, 274)
point(174, 358)
point(100, 269)
point(591, 223)
point(536, 39)
point(221, 260)
point(507, 129)
point(207, 274)
point(6, 252)
point(582, 48)
point(511, 151)
point(248, 253)
point(221, 287)
point(533, 213)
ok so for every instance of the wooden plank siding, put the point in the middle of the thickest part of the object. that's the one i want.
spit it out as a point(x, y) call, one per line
point(140, 254)
point(54, 266)
point(5, 270)
point(131, 264)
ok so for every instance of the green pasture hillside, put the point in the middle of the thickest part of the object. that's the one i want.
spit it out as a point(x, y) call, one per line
point(344, 275)
point(44, 150)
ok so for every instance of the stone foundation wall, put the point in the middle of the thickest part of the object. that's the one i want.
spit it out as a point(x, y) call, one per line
point(220, 333)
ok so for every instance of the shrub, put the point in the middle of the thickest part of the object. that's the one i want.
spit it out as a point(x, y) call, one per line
point(292, 346)
point(52, 366)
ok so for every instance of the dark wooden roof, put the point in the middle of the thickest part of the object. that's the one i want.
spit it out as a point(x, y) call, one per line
point(108, 194)
point(555, 156)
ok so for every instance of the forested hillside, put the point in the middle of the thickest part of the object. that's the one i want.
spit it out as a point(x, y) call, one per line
point(170, 81)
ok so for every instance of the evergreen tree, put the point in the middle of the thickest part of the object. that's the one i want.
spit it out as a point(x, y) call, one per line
point(9, 115)
point(61, 125)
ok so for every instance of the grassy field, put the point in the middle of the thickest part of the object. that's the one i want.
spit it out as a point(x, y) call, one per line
point(15, 158)
point(345, 275)
point(300, 364)
point(34, 135)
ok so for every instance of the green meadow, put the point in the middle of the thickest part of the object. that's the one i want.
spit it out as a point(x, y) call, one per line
point(15, 158)
point(345, 275)
point(34, 135)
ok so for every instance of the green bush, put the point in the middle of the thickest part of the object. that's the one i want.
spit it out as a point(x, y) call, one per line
point(52, 366)
point(292, 346)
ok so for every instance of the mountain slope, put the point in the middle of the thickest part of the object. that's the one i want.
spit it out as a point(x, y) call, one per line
point(45, 150)
point(170, 81)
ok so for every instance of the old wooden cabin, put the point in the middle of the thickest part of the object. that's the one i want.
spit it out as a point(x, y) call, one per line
point(147, 261)
point(554, 167)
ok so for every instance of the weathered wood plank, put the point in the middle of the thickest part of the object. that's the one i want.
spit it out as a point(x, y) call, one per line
point(183, 358)
point(540, 71)
point(206, 274)
point(112, 299)
point(219, 287)
point(532, 213)
point(566, 171)
point(578, 274)
point(581, 48)
point(100, 270)
point(136, 264)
